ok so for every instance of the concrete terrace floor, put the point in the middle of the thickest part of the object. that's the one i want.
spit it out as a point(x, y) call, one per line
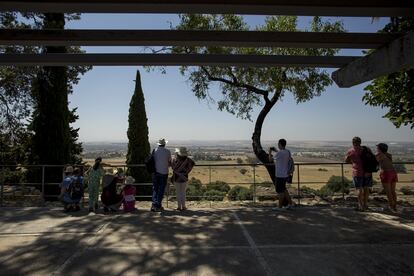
point(237, 241)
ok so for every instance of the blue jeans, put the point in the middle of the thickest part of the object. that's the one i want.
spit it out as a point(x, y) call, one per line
point(159, 182)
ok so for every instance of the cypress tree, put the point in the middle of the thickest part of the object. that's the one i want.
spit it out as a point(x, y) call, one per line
point(138, 144)
point(51, 142)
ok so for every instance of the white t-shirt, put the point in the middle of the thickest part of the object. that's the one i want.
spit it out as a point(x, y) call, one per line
point(282, 163)
point(162, 157)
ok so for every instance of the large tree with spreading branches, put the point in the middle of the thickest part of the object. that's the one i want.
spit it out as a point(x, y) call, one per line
point(243, 89)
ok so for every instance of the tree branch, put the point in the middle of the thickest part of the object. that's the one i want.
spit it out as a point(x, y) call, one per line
point(235, 82)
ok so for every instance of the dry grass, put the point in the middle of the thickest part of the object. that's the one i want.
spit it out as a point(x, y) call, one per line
point(314, 176)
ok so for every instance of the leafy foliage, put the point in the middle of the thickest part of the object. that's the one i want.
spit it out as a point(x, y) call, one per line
point(395, 91)
point(334, 185)
point(240, 193)
point(218, 186)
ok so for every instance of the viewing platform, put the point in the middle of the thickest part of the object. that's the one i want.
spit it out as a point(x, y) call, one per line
point(207, 241)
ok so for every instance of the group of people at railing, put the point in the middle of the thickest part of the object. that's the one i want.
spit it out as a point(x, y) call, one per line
point(364, 163)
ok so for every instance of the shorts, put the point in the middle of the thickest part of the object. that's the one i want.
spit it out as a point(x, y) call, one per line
point(388, 176)
point(362, 181)
point(280, 184)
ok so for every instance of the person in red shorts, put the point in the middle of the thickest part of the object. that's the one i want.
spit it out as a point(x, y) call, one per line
point(388, 174)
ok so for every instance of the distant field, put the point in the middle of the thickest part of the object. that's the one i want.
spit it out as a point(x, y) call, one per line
point(314, 176)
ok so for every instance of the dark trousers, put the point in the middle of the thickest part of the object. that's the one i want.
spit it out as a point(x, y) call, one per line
point(159, 182)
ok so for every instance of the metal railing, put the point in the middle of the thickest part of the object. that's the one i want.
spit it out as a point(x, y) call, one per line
point(253, 184)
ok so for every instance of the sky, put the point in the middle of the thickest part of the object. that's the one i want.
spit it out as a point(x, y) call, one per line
point(103, 95)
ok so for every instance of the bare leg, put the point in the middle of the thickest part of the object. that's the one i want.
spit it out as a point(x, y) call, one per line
point(360, 198)
point(366, 196)
point(387, 189)
point(393, 195)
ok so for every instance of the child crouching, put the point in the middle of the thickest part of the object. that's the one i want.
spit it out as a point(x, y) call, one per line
point(129, 195)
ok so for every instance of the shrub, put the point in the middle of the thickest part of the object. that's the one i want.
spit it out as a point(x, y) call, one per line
point(400, 168)
point(407, 190)
point(219, 186)
point(307, 190)
point(195, 189)
point(243, 171)
point(240, 193)
point(334, 185)
point(214, 195)
point(239, 160)
point(322, 170)
point(265, 184)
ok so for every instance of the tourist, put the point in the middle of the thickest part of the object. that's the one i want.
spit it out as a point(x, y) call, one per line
point(128, 193)
point(362, 180)
point(182, 166)
point(162, 158)
point(77, 188)
point(94, 176)
point(65, 190)
point(388, 174)
point(111, 199)
point(282, 159)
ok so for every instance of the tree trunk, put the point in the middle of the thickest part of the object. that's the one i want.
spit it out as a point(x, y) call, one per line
point(261, 154)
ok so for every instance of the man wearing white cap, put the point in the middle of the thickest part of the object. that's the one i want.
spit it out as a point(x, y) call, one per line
point(162, 157)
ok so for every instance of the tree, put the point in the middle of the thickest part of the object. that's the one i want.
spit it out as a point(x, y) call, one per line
point(395, 91)
point(242, 89)
point(138, 144)
point(39, 96)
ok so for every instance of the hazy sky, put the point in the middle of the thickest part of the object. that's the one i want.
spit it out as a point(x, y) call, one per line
point(103, 94)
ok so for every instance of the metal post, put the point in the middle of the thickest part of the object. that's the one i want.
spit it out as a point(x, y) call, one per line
point(343, 181)
point(298, 185)
point(254, 183)
point(2, 186)
point(43, 183)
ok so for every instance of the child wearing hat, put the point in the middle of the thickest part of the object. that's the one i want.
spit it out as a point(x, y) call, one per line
point(128, 193)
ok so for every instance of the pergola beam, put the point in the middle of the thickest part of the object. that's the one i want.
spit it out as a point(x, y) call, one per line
point(397, 55)
point(193, 38)
point(172, 60)
point(260, 7)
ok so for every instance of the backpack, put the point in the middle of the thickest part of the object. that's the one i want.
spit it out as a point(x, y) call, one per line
point(76, 188)
point(150, 163)
point(369, 161)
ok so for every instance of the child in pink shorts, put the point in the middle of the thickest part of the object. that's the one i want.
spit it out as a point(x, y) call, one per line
point(129, 195)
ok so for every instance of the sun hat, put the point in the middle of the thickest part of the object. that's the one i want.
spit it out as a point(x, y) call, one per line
point(162, 142)
point(383, 147)
point(181, 151)
point(129, 180)
point(69, 169)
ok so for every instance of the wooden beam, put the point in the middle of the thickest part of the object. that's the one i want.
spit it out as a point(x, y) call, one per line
point(396, 56)
point(193, 38)
point(265, 7)
point(171, 60)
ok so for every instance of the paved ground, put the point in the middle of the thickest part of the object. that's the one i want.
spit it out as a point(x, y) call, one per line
point(239, 241)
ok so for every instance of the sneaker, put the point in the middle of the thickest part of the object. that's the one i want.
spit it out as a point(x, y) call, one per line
point(153, 209)
point(290, 207)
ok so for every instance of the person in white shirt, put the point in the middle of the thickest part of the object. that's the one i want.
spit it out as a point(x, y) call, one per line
point(162, 157)
point(281, 159)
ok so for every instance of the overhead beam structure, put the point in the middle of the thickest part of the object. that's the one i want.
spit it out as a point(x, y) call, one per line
point(397, 55)
point(193, 38)
point(172, 60)
point(260, 7)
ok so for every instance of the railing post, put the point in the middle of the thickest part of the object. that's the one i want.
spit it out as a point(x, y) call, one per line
point(43, 183)
point(343, 181)
point(299, 195)
point(254, 183)
point(298, 185)
point(2, 186)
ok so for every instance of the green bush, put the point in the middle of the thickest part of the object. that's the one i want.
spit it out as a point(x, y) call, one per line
point(214, 195)
point(218, 186)
point(240, 193)
point(400, 168)
point(322, 170)
point(243, 171)
point(195, 189)
point(334, 185)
